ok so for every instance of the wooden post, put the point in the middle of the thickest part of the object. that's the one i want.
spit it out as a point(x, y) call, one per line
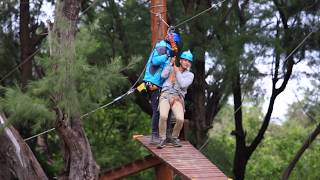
point(164, 172)
point(158, 27)
point(158, 10)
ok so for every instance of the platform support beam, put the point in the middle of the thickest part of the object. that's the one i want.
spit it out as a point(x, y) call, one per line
point(163, 172)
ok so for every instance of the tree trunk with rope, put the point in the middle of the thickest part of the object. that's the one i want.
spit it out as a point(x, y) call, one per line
point(78, 158)
point(17, 161)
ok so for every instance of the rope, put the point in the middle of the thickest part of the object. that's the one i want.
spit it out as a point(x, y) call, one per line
point(189, 19)
point(130, 91)
point(44, 132)
point(298, 46)
point(206, 10)
point(84, 11)
point(22, 63)
point(159, 15)
point(34, 53)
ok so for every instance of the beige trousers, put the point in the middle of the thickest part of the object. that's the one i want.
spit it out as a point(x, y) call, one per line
point(178, 112)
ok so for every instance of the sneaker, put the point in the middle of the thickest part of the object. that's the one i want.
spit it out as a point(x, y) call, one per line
point(175, 142)
point(162, 144)
point(154, 140)
point(169, 139)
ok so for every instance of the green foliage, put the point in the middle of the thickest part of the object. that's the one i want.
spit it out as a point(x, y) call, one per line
point(110, 133)
point(8, 55)
point(24, 109)
point(277, 150)
point(273, 155)
point(93, 77)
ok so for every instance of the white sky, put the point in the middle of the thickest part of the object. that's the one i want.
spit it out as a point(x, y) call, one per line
point(288, 95)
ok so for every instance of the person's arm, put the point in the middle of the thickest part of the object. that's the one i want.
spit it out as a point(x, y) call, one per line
point(159, 59)
point(185, 79)
point(159, 55)
point(166, 71)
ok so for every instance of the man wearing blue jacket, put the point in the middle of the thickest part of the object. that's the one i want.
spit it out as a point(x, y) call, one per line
point(159, 58)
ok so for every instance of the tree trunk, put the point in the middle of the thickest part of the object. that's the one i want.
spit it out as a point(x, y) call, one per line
point(300, 152)
point(241, 154)
point(198, 98)
point(198, 124)
point(16, 158)
point(25, 42)
point(78, 158)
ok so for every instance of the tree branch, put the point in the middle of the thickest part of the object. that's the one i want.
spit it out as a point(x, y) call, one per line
point(303, 148)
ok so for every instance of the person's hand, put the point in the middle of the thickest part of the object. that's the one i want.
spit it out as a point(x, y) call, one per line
point(175, 68)
point(173, 53)
point(173, 61)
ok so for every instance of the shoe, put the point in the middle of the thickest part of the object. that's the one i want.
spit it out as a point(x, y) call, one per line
point(162, 144)
point(175, 142)
point(169, 139)
point(154, 140)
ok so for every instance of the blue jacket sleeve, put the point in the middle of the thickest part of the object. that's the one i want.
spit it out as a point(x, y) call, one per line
point(158, 59)
point(160, 53)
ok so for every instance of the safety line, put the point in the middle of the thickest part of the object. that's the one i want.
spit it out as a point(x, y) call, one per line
point(189, 19)
point(44, 132)
point(22, 63)
point(159, 15)
point(130, 91)
point(35, 52)
point(108, 104)
point(84, 11)
point(298, 46)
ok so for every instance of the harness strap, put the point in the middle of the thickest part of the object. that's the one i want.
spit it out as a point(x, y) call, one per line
point(173, 100)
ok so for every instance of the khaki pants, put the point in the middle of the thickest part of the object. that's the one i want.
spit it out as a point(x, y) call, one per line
point(178, 112)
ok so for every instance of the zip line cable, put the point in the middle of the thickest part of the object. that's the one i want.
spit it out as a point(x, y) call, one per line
point(84, 11)
point(206, 10)
point(19, 65)
point(44, 132)
point(130, 91)
point(291, 53)
point(36, 51)
point(159, 15)
point(298, 46)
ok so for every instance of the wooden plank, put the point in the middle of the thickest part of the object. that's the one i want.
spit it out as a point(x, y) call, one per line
point(132, 168)
point(186, 161)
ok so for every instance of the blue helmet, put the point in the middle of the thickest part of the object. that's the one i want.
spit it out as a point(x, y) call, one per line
point(176, 38)
point(187, 55)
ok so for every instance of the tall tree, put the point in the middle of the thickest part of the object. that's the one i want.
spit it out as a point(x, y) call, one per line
point(280, 78)
point(234, 32)
point(29, 39)
point(78, 158)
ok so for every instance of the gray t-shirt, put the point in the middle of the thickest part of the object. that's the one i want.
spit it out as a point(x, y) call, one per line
point(183, 81)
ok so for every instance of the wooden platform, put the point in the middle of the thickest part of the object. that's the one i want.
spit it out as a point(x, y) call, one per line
point(186, 161)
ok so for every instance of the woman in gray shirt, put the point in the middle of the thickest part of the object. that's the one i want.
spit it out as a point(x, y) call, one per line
point(174, 89)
